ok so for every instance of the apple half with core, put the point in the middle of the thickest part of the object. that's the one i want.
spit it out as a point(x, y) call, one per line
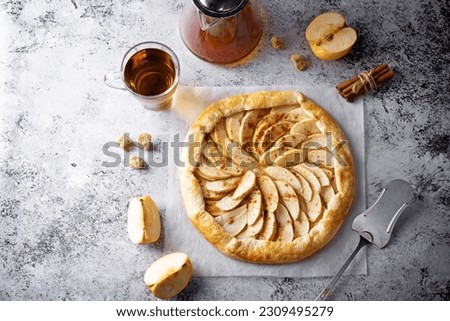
point(329, 37)
point(169, 275)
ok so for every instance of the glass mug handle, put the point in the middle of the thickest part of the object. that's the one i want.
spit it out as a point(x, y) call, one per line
point(114, 80)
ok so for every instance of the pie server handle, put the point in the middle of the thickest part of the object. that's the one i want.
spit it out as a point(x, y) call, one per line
point(375, 225)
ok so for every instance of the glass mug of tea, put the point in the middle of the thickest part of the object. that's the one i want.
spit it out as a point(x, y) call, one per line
point(150, 72)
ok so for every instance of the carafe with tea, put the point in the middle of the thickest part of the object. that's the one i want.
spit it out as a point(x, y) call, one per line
point(221, 31)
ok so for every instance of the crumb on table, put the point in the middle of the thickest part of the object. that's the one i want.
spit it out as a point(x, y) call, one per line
point(277, 42)
point(299, 62)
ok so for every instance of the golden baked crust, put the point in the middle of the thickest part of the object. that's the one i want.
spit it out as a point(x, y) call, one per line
point(324, 206)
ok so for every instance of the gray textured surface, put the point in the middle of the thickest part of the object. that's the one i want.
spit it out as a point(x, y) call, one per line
point(62, 214)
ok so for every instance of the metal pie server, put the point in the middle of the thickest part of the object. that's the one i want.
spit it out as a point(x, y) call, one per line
point(375, 224)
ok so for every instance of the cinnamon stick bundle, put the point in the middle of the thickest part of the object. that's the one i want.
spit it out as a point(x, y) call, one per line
point(364, 82)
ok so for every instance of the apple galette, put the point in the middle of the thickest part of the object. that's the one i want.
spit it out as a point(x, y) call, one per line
point(267, 177)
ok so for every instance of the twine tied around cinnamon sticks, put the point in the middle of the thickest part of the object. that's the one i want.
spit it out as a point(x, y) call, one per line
point(364, 82)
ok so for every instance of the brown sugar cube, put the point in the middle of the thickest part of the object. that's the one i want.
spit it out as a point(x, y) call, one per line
point(137, 163)
point(299, 62)
point(125, 142)
point(277, 42)
point(145, 141)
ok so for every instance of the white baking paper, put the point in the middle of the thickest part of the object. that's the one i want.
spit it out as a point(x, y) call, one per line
point(180, 235)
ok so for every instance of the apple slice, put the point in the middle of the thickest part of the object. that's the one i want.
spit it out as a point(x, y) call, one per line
point(212, 154)
point(309, 176)
point(228, 203)
point(320, 157)
point(236, 225)
point(218, 134)
point(246, 185)
point(328, 36)
point(288, 198)
point(295, 115)
point(210, 172)
point(319, 173)
point(291, 140)
point(239, 157)
point(254, 206)
point(248, 124)
point(213, 196)
point(144, 222)
point(305, 127)
point(284, 222)
point(307, 192)
point(252, 230)
point(270, 155)
point(301, 226)
point(283, 109)
point(290, 158)
point(228, 216)
point(327, 193)
point(269, 192)
point(222, 186)
point(314, 207)
point(271, 135)
point(269, 229)
point(314, 141)
point(265, 123)
point(283, 174)
point(169, 275)
point(233, 125)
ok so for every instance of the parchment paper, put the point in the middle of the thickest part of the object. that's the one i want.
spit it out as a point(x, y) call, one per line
point(180, 235)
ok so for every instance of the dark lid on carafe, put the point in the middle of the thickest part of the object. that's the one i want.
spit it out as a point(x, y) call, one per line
point(220, 8)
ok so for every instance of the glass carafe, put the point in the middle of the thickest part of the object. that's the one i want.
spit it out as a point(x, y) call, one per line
point(221, 31)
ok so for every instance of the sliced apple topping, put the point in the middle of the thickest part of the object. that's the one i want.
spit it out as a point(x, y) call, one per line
point(228, 203)
point(284, 222)
point(246, 185)
point(270, 155)
point(228, 216)
point(291, 140)
point(314, 207)
point(207, 171)
point(271, 134)
point(291, 158)
point(248, 123)
point(233, 125)
point(269, 192)
point(328, 36)
point(318, 172)
point(288, 198)
point(254, 206)
point(305, 127)
point(222, 186)
point(284, 109)
point(327, 193)
point(307, 191)
point(280, 173)
point(282, 195)
point(314, 141)
point(252, 230)
point(301, 226)
point(265, 123)
point(295, 115)
point(236, 225)
point(309, 176)
point(269, 230)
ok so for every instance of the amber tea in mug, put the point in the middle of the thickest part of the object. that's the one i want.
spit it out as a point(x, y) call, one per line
point(150, 71)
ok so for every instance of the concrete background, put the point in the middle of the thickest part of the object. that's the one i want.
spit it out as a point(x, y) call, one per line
point(63, 214)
